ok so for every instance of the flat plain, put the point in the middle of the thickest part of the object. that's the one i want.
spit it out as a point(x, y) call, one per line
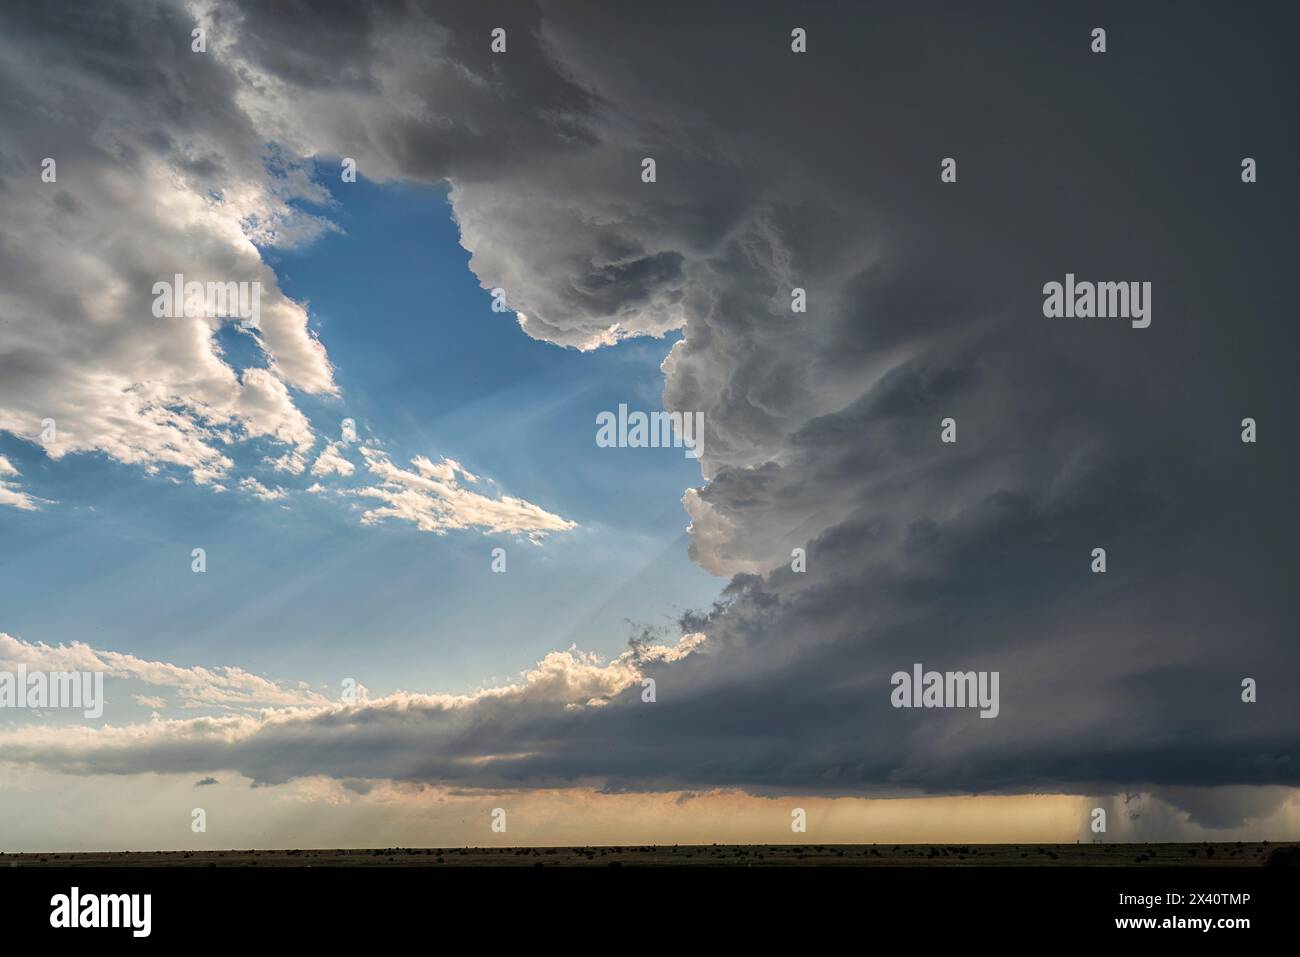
point(1246, 854)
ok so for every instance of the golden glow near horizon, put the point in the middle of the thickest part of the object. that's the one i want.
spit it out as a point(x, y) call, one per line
point(114, 813)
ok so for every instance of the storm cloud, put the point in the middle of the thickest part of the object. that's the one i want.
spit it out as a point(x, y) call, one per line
point(822, 429)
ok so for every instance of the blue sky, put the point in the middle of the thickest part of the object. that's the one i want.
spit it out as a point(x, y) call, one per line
point(299, 589)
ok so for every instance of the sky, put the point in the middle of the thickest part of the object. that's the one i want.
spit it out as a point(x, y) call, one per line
point(667, 648)
point(418, 601)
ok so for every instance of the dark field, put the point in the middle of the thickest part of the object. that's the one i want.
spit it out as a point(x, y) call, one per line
point(743, 855)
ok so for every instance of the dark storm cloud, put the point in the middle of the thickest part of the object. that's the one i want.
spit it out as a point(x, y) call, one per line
point(822, 429)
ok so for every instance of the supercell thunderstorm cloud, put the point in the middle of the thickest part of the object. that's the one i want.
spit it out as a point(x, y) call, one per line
point(913, 467)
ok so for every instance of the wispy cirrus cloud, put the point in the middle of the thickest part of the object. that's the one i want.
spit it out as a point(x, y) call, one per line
point(253, 487)
point(10, 493)
point(331, 461)
point(433, 497)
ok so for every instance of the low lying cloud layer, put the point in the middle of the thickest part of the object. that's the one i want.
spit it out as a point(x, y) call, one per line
point(774, 171)
point(224, 688)
point(406, 736)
